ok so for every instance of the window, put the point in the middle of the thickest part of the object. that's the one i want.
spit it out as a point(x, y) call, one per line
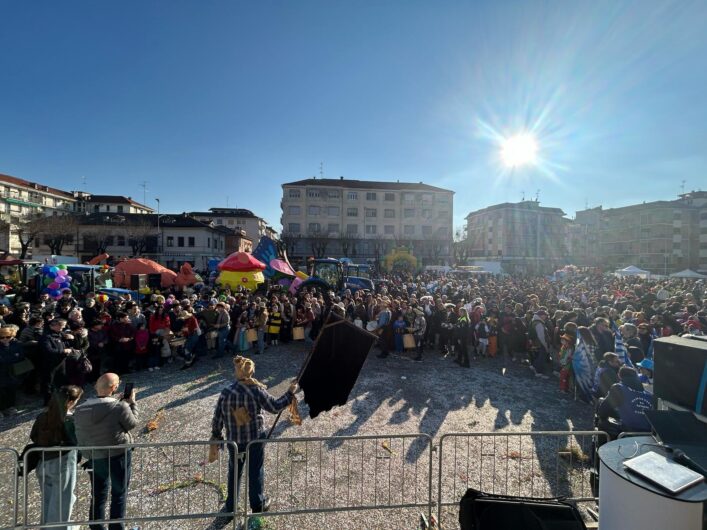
point(333, 228)
point(291, 210)
point(293, 194)
point(426, 230)
point(109, 241)
point(409, 230)
point(180, 241)
point(352, 196)
point(427, 197)
point(389, 213)
point(351, 212)
point(208, 242)
point(191, 241)
point(409, 197)
point(313, 194)
point(315, 228)
point(371, 229)
point(371, 212)
point(107, 207)
point(313, 210)
point(332, 211)
point(333, 194)
point(352, 229)
point(170, 241)
point(120, 241)
point(294, 228)
point(230, 221)
point(96, 208)
point(371, 196)
point(442, 198)
point(219, 221)
point(389, 230)
point(389, 196)
point(120, 209)
point(427, 214)
point(408, 213)
point(443, 215)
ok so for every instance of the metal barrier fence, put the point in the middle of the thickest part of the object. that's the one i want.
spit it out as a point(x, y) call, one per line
point(529, 464)
point(9, 459)
point(172, 486)
point(168, 482)
point(323, 475)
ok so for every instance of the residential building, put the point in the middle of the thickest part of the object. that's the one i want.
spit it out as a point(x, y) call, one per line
point(88, 202)
point(524, 236)
point(364, 220)
point(170, 239)
point(237, 219)
point(661, 236)
point(236, 240)
point(21, 198)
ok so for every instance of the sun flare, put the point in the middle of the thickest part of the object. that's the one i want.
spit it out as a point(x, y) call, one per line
point(519, 150)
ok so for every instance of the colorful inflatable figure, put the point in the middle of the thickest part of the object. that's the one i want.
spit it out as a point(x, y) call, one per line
point(241, 269)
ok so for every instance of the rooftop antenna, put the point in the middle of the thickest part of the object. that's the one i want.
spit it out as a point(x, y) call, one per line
point(321, 170)
point(682, 187)
point(226, 201)
point(537, 195)
point(144, 191)
point(522, 195)
point(586, 203)
point(83, 182)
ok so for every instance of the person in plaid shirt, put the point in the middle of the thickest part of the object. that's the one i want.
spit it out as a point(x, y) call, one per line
point(240, 410)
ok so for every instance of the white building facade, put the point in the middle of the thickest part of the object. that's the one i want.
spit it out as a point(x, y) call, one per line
point(363, 220)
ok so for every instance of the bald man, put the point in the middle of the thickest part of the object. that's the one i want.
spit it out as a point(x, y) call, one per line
point(100, 422)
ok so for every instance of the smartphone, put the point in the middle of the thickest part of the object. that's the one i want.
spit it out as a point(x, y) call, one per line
point(128, 393)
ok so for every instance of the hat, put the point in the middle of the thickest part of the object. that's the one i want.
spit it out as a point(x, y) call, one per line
point(646, 363)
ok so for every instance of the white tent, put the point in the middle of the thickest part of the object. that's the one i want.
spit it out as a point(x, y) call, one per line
point(631, 270)
point(687, 273)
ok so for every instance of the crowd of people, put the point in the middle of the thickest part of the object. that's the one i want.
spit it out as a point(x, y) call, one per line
point(56, 348)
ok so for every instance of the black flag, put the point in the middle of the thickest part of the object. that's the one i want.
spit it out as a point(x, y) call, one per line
point(334, 365)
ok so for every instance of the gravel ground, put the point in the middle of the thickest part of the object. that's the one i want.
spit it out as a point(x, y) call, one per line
point(393, 397)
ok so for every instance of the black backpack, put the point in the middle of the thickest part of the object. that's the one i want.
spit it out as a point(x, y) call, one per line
point(484, 511)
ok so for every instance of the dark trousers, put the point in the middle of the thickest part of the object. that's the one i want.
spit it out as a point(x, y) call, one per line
point(8, 396)
point(113, 473)
point(256, 475)
point(541, 360)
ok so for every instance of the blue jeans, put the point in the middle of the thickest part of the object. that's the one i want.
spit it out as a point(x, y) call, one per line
point(190, 346)
point(256, 475)
point(261, 341)
point(57, 479)
point(113, 472)
point(222, 339)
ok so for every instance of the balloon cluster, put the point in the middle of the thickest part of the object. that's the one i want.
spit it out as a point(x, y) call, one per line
point(56, 279)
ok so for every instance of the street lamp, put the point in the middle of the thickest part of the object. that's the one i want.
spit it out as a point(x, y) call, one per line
point(159, 242)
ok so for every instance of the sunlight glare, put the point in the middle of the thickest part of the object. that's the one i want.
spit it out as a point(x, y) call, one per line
point(519, 150)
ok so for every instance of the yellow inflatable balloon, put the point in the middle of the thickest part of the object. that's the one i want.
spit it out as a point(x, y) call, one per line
point(248, 279)
point(301, 275)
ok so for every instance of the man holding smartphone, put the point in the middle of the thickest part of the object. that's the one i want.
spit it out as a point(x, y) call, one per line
point(105, 421)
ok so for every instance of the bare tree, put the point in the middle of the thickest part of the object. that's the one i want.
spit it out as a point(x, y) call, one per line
point(349, 243)
point(289, 241)
point(319, 242)
point(28, 229)
point(139, 232)
point(57, 231)
point(381, 246)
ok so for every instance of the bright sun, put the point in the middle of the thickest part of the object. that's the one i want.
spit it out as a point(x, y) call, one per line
point(519, 150)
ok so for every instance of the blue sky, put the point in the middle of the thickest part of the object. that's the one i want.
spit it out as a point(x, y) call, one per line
point(215, 102)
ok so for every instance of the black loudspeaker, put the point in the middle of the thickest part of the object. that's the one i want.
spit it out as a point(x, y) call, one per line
point(484, 511)
point(154, 281)
point(138, 281)
point(680, 375)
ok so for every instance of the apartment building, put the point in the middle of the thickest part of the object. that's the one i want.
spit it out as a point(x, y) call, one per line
point(169, 239)
point(525, 237)
point(88, 202)
point(661, 236)
point(238, 219)
point(365, 219)
point(21, 198)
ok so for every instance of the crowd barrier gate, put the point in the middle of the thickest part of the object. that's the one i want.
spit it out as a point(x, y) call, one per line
point(172, 486)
